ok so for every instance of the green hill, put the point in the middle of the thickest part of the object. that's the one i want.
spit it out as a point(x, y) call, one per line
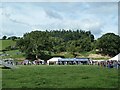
point(11, 53)
point(6, 43)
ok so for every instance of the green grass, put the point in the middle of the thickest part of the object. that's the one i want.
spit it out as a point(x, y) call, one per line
point(6, 43)
point(58, 76)
point(13, 54)
point(0, 79)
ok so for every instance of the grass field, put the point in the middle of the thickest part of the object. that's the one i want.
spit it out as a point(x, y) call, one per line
point(14, 54)
point(55, 76)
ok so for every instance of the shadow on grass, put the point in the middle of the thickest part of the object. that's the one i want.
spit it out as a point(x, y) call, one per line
point(5, 68)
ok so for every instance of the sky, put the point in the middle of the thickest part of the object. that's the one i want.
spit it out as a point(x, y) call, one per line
point(19, 18)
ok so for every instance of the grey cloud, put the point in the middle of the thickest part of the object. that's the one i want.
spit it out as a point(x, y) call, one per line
point(53, 14)
point(7, 15)
point(8, 33)
point(97, 31)
point(102, 8)
point(20, 22)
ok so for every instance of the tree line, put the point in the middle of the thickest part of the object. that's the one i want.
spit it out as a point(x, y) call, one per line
point(40, 44)
point(10, 38)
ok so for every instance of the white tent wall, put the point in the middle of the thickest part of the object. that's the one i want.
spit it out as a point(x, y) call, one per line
point(54, 59)
point(117, 57)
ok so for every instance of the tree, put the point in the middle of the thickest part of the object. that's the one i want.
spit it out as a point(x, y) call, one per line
point(35, 43)
point(12, 38)
point(109, 44)
point(4, 37)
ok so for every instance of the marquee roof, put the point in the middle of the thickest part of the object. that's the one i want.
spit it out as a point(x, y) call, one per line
point(117, 57)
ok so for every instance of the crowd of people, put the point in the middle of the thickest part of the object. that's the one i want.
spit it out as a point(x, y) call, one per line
point(35, 62)
point(108, 64)
point(100, 63)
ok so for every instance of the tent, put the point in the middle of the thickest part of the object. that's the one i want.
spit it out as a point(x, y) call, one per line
point(54, 60)
point(39, 61)
point(117, 57)
point(64, 61)
point(26, 62)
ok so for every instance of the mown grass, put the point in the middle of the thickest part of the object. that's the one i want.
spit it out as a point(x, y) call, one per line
point(43, 76)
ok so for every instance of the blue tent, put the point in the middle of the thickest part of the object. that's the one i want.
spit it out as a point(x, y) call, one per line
point(73, 59)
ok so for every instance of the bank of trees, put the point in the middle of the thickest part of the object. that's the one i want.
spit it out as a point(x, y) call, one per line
point(10, 38)
point(43, 43)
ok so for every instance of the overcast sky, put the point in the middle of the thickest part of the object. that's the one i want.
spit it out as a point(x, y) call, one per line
point(19, 18)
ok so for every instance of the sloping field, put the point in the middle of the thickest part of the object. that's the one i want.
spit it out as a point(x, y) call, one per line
point(58, 76)
point(6, 43)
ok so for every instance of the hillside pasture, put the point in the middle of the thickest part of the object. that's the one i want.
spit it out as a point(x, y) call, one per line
point(6, 43)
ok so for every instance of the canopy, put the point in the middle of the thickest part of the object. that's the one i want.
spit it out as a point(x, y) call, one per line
point(117, 57)
point(74, 59)
point(54, 59)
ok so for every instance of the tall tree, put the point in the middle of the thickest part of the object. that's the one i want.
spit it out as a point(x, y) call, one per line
point(109, 44)
point(4, 37)
point(12, 38)
point(35, 43)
